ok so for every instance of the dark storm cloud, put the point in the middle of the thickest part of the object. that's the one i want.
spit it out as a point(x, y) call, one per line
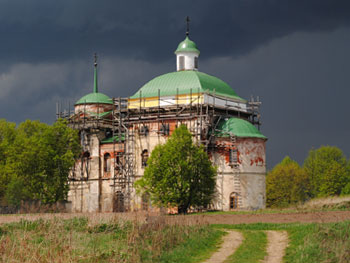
point(303, 81)
point(40, 30)
point(294, 54)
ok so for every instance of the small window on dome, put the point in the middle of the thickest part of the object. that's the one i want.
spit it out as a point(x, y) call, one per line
point(181, 62)
point(196, 62)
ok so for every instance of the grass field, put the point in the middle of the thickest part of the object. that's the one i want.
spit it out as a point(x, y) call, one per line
point(76, 240)
point(132, 238)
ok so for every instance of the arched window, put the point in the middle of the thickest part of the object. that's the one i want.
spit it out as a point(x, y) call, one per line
point(107, 162)
point(144, 158)
point(233, 201)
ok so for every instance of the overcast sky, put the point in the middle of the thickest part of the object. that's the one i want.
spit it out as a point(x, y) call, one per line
point(293, 54)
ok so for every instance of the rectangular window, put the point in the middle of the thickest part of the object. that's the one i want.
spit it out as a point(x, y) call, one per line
point(196, 62)
point(181, 62)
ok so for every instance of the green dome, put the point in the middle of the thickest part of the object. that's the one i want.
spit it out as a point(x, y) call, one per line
point(183, 82)
point(239, 128)
point(187, 46)
point(95, 97)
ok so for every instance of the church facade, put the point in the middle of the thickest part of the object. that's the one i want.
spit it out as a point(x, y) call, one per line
point(118, 135)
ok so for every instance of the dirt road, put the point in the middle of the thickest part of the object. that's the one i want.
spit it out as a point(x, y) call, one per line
point(229, 245)
point(277, 241)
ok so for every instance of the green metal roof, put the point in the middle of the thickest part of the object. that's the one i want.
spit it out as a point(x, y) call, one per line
point(95, 96)
point(187, 46)
point(239, 128)
point(115, 139)
point(183, 81)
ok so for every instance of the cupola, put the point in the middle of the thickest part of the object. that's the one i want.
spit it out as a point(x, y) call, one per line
point(95, 97)
point(187, 53)
point(94, 103)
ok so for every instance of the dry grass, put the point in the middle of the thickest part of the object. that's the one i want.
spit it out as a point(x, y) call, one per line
point(333, 201)
point(96, 238)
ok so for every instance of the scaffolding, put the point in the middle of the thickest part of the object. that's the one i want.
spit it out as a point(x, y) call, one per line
point(201, 113)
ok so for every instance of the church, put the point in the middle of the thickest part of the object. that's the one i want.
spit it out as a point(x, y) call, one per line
point(118, 135)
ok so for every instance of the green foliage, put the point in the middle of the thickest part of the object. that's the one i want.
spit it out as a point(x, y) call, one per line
point(36, 160)
point(346, 189)
point(16, 192)
point(7, 136)
point(287, 183)
point(325, 173)
point(179, 173)
point(327, 170)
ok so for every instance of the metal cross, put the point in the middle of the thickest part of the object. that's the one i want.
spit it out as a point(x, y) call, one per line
point(95, 56)
point(188, 25)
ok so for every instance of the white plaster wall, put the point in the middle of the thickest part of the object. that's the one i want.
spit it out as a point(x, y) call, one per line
point(252, 155)
point(89, 200)
point(107, 196)
point(248, 179)
point(189, 60)
point(253, 190)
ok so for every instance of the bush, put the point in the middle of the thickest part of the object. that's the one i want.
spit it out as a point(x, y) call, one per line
point(287, 183)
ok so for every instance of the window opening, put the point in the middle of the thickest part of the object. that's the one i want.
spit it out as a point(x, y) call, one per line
point(144, 130)
point(165, 129)
point(181, 62)
point(144, 158)
point(107, 162)
point(233, 201)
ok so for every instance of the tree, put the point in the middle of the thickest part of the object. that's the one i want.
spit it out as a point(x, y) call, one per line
point(327, 169)
point(39, 160)
point(287, 183)
point(179, 173)
point(7, 137)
